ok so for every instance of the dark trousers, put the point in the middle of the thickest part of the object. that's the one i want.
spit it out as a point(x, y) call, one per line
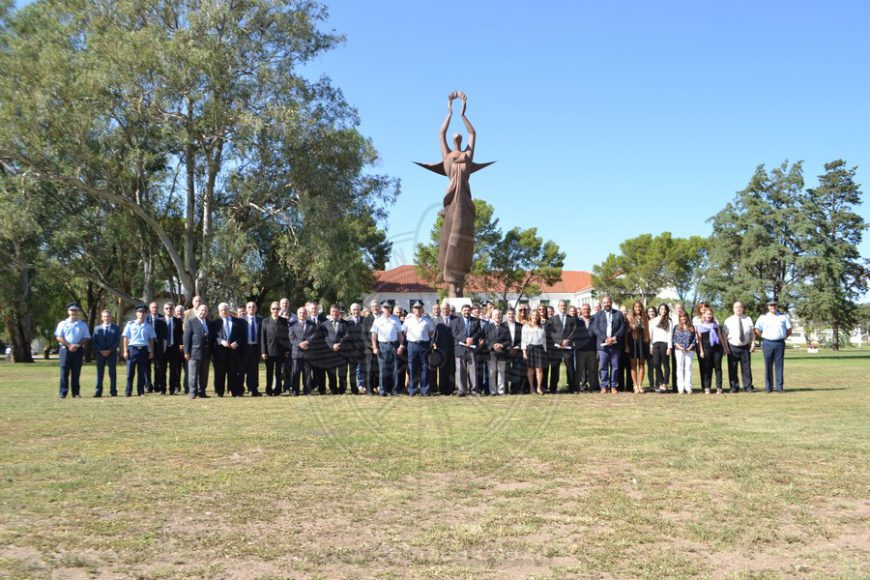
point(661, 364)
point(137, 364)
point(274, 372)
point(227, 374)
point(371, 372)
point(301, 374)
point(159, 377)
point(388, 369)
point(674, 366)
point(625, 382)
point(318, 378)
point(173, 360)
point(337, 377)
point(418, 367)
point(570, 370)
point(442, 378)
point(710, 363)
point(774, 354)
point(70, 370)
point(515, 373)
point(587, 368)
point(553, 361)
point(740, 355)
point(110, 361)
point(650, 372)
point(608, 366)
point(251, 368)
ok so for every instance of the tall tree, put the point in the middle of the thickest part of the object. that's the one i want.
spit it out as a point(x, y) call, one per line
point(836, 276)
point(640, 271)
point(521, 262)
point(757, 241)
point(192, 115)
point(686, 266)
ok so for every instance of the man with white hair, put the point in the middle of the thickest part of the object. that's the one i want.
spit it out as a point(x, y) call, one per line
point(229, 345)
point(197, 351)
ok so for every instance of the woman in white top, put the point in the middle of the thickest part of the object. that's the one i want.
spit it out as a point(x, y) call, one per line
point(534, 346)
point(661, 331)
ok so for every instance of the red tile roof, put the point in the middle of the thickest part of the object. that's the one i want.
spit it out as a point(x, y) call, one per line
point(405, 279)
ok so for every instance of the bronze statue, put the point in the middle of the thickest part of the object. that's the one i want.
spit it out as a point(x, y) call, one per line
point(457, 229)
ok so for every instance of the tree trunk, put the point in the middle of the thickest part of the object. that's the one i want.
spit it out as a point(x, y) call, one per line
point(835, 343)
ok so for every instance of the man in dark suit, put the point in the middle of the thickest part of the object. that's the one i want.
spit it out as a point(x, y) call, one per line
point(197, 351)
point(275, 350)
point(317, 352)
point(370, 361)
point(563, 328)
point(334, 331)
point(442, 377)
point(609, 330)
point(171, 351)
point(355, 350)
point(586, 360)
point(155, 379)
point(251, 357)
point(106, 338)
point(515, 370)
point(230, 338)
point(467, 336)
point(497, 345)
point(301, 333)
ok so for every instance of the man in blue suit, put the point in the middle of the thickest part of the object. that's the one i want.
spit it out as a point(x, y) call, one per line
point(609, 330)
point(230, 338)
point(106, 339)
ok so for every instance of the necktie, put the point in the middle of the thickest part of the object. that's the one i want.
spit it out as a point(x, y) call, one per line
point(335, 325)
point(204, 327)
point(226, 328)
point(170, 332)
point(742, 332)
point(252, 330)
point(467, 326)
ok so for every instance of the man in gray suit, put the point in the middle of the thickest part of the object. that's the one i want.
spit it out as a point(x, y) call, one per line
point(197, 351)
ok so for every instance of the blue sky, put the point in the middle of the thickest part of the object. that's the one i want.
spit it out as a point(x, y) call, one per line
point(607, 120)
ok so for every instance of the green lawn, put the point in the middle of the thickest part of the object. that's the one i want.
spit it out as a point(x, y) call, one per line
point(743, 486)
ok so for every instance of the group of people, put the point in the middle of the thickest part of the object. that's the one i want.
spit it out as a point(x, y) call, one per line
point(478, 350)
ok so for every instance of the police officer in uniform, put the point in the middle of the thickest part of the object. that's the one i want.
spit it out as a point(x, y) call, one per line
point(73, 335)
point(138, 349)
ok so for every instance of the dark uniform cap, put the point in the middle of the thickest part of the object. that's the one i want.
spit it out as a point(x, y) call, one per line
point(387, 303)
point(771, 303)
point(73, 306)
point(417, 304)
point(141, 308)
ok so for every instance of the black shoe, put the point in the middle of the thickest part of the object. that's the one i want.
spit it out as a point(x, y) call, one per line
point(734, 391)
point(256, 394)
point(203, 396)
point(97, 395)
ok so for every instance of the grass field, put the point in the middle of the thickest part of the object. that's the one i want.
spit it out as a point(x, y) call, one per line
point(743, 486)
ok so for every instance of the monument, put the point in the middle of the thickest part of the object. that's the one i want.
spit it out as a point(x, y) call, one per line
point(457, 229)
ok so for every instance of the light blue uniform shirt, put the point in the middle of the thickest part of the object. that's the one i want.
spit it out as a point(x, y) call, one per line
point(139, 334)
point(73, 332)
point(773, 326)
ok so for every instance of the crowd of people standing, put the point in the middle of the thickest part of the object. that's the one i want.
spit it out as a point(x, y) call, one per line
point(478, 350)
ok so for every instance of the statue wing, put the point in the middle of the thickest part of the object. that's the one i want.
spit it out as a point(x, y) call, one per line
point(479, 166)
point(435, 167)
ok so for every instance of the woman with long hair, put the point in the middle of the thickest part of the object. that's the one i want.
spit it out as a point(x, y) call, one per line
point(637, 345)
point(534, 347)
point(712, 344)
point(661, 336)
point(684, 347)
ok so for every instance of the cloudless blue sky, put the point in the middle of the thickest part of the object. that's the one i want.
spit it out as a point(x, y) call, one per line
point(607, 120)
